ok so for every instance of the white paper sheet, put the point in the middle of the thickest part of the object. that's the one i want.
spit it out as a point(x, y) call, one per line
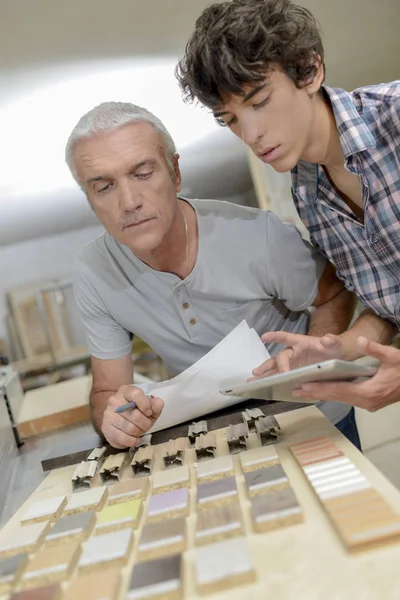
point(195, 392)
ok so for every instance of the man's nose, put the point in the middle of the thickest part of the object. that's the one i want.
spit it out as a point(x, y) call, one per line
point(250, 133)
point(129, 197)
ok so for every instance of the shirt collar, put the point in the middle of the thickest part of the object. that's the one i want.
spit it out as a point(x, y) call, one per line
point(354, 134)
point(354, 137)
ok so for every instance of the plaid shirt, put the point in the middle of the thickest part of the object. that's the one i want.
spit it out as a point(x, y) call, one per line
point(367, 256)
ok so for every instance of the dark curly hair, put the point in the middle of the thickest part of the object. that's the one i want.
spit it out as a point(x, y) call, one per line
point(234, 42)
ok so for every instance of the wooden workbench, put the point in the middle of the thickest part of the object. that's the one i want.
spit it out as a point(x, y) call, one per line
point(304, 561)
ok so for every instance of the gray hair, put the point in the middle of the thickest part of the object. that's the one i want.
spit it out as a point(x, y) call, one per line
point(109, 116)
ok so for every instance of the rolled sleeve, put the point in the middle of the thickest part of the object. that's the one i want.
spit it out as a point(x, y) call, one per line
point(294, 267)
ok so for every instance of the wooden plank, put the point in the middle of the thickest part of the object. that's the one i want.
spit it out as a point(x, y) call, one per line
point(55, 421)
point(55, 406)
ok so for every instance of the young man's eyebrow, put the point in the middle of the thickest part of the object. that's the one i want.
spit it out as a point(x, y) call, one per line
point(253, 92)
point(246, 98)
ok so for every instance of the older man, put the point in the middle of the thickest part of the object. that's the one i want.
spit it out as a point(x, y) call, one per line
point(179, 273)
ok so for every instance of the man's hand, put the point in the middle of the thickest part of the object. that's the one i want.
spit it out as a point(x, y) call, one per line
point(123, 430)
point(302, 350)
point(372, 394)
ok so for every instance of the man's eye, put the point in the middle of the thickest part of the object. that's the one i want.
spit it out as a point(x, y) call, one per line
point(262, 103)
point(222, 123)
point(144, 175)
point(104, 188)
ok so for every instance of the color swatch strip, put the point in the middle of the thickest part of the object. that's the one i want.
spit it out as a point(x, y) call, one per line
point(360, 515)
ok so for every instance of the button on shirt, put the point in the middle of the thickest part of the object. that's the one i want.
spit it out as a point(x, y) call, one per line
point(366, 255)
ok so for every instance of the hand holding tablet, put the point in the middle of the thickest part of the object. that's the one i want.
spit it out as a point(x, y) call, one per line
point(281, 386)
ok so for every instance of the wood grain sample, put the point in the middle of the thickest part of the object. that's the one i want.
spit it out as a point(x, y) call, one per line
point(143, 461)
point(94, 586)
point(82, 478)
point(263, 480)
point(44, 510)
point(168, 505)
point(258, 458)
point(57, 420)
point(316, 450)
point(11, 568)
point(236, 436)
point(275, 509)
point(217, 492)
point(171, 479)
point(205, 445)
point(174, 452)
point(196, 429)
point(112, 468)
point(25, 538)
point(51, 564)
point(106, 549)
point(158, 579)
point(361, 517)
point(49, 592)
point(128, 490)
point(119, 516)
point(223, 565)
point(335, 478)
point(215, 468)
point(163, 538)
point(92, 499)
point(218, 523)
point(74, 527)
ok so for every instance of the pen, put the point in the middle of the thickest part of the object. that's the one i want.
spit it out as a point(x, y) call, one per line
point(130, 405)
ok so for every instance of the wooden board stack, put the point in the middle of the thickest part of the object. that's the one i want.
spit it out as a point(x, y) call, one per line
point(184, 531)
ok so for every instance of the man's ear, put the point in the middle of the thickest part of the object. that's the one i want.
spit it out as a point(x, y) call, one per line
point(177, 172)
point(315, 83)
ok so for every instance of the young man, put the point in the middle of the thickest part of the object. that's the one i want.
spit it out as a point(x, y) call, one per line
point(180, 274)
point(259, 65)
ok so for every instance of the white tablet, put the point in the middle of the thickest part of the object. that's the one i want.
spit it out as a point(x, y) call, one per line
point(281, 386)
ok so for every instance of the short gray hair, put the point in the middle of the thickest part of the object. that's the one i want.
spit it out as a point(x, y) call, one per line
point(109, 116)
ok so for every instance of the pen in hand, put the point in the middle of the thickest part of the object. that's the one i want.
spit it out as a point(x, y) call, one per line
point(130, 405)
